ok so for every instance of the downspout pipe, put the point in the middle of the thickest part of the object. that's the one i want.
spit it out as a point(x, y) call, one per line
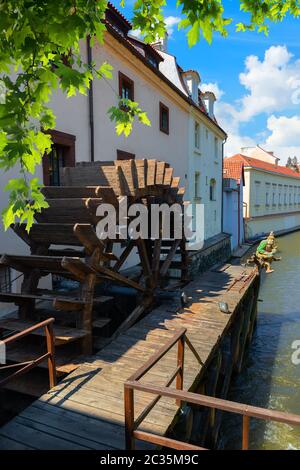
point(91, 101)
point(222, 199)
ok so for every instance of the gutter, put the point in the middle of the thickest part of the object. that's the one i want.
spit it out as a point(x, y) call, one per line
point(91, 101)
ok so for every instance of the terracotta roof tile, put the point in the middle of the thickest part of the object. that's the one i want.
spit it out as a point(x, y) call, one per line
point(261, 165)
point(233, 169)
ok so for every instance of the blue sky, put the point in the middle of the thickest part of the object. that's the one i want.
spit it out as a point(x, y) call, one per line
point(262, 106)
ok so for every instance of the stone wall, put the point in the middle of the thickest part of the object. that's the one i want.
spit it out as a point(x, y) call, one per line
point(216, 250)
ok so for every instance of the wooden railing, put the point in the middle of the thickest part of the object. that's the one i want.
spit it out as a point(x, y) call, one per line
point(131, 424)
point(28, 365)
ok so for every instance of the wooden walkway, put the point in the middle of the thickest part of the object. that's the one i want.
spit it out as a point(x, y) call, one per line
point(86, 410)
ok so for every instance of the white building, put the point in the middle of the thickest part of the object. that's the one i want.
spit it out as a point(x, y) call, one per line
point(233, 188)
point(183, 129)
point(271, 195)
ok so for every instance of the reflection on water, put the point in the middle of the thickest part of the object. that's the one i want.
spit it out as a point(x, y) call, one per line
point(269, 378)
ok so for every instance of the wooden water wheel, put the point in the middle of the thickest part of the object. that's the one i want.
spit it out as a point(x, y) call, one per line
point(63, 242)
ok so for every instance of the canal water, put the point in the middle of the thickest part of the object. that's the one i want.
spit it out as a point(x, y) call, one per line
point(270, 379)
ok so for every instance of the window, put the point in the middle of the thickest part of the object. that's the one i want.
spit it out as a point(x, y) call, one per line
point(197, 185)
point(5, 279)
point(212, 189)
point(268, 187)
point(163, 118)
point(279, 194)
point(274, 190)
point(62, 154)
point(257, 192)
point(285, 195)
point(152, 61)
point(206, 133)
point(122, 155)
point(197, 135)
point(126, 87)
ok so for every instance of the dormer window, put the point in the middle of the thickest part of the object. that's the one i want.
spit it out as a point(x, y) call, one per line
point(126, 87)
point(152, 61)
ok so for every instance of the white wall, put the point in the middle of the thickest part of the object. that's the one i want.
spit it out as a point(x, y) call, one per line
point(232, 212)
point(209, 164)
point(144, 142)
point(275, 215)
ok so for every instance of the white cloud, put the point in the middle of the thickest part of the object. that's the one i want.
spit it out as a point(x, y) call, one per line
point(136, 33)
point(272, 86)
point(285, 131)
point(273, 83)
point(214, 87)
point(170, 22)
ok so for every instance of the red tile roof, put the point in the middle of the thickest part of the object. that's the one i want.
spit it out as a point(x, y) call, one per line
point(245, 161)
point(233, 169)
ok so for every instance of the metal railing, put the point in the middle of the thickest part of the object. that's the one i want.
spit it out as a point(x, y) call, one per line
point(131, 424)
point(28, 365)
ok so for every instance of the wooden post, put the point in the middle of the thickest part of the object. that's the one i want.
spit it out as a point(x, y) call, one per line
point(129, 417)
point(180, 363)
point(246, 425)
point(51, 351)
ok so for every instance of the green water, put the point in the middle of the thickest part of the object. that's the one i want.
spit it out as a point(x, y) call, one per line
point(270, 379)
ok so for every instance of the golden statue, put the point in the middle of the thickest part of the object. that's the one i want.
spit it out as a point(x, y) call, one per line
point(266, 252)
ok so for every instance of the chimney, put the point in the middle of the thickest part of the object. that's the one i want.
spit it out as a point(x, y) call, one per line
point(192, 81)
point(161, 44)
point(209, 100)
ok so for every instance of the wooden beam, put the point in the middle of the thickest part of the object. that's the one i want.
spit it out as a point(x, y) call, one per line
point(145, 262)
point(117, 277)
point(87, 236)
point(168, 260)
point(126, 252)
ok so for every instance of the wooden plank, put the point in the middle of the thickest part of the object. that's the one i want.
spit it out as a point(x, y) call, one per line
point(107, 194)
point(168, 176)
point(94, 430)
point(77, 267)
point(42, 440)
point(118, 277)
point(168, 260)
point(175, 182)
point(65, 362)
point(160, 173)
point(85, 174)
point(62, 334)
point(113, 179)
point(10, 444)
point(55, 192)
point(87, 236)
point(151, 172)
point(129, 176)
point(70, 211)
point(47, 234)
point(141, 170)
point(25, 263)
